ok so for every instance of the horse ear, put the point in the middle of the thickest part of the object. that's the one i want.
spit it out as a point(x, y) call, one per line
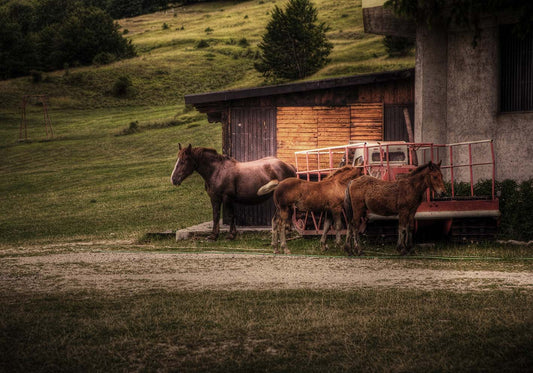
point(179, 145)
point(440, 162)
point(189, 148)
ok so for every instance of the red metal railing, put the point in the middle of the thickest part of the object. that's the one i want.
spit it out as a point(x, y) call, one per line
point(466, 162)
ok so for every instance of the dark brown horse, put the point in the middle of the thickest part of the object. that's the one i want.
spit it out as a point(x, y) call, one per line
point(227, 180)
point(387, 198)
point(322, 196)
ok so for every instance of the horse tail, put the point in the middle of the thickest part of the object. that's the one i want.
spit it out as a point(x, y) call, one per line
point(347, 205)
point(268, 187)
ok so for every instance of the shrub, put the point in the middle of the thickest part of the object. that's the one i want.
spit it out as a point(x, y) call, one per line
point(122, 86)
point(104, 58)
point(36, 76)
point(397, 46)
point(202, 44)
point(243, 43)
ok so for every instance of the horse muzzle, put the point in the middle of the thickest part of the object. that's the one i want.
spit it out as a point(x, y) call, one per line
point(440, 193)
point(175, 181)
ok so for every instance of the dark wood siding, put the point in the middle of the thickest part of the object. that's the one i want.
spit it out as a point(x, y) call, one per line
point(252, 132)
point(394, 122)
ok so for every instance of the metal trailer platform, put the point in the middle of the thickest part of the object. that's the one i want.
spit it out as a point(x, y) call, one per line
point(464, 214)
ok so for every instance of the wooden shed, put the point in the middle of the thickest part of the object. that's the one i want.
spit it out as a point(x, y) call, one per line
point(279, 120)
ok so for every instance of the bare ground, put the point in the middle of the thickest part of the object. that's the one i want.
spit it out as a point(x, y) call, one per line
point(92, 266)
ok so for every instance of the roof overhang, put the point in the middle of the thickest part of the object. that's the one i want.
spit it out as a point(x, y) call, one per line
point(236, 94)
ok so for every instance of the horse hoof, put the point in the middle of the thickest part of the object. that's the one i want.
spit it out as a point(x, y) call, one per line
point(287, 251)
point(231, 236)
point(324, 248)
point(348, 249)
point(212, 237)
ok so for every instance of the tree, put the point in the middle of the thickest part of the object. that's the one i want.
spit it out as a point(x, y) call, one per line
point(295, 44)
point(398, 46)
point(45, 35)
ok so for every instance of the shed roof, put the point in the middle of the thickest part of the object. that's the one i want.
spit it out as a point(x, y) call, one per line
point(354, 80)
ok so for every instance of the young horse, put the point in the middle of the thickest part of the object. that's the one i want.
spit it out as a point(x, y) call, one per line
point(326, 195)
point(381, 197)
point(227, 180)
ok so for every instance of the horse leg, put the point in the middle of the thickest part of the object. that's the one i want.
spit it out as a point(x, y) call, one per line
point(323, 239)
point(403, 235)
point(284, 217)
point(348, 242)
point(411, 230)
point(215, 205)
point(275, 232)
point(338, 226)
point(228, 207)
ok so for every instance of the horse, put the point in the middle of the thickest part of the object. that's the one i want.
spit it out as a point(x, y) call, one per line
point(387, 198)
point(326, 195)
point(227, 180)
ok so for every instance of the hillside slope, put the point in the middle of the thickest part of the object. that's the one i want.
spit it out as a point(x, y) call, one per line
point(92, 180)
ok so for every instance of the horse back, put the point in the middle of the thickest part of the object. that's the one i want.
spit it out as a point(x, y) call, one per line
point(378, 196)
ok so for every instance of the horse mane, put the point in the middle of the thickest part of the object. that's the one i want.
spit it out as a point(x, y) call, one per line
point(211, 153)
point(339, 171)
point(419, 169)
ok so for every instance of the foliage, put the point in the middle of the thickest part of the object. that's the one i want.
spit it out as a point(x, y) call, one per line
point(465, 13)
point(131, 8)
point(398, 46)
point(122, 86)
point(294, 45)
point(47, 34)
point(516, 204)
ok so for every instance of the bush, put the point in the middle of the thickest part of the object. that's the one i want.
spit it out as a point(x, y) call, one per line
point(397, 46)
point(104, 58)
point(243, 43)
point(202, 44)
point(36, 76)
point(122, 86)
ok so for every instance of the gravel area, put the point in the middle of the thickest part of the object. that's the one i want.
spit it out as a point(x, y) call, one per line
point(44, 272)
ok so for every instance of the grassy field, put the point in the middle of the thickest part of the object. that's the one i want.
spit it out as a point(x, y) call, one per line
point(89, 181)
point(274, 331)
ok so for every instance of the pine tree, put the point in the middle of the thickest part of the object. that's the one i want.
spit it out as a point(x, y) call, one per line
point(295, 44)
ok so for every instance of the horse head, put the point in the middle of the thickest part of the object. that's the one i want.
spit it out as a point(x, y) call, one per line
point(434, 178)
point(185, 165)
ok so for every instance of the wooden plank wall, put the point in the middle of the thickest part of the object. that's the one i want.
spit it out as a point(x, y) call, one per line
point(304, 128)
point(366, 122)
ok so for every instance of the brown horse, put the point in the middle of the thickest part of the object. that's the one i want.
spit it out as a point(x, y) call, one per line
point(386, 198)
point(326, 195)
point(227, 180)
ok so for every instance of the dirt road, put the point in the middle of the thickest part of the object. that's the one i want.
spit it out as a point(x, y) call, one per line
point(140, 270)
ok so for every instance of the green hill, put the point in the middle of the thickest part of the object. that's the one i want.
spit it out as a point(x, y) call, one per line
point(94, 180)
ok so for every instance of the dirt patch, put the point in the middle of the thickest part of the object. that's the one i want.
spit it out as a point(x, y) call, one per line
point(120, 272)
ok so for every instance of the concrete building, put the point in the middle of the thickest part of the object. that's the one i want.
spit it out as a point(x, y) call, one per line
point(466, 93)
